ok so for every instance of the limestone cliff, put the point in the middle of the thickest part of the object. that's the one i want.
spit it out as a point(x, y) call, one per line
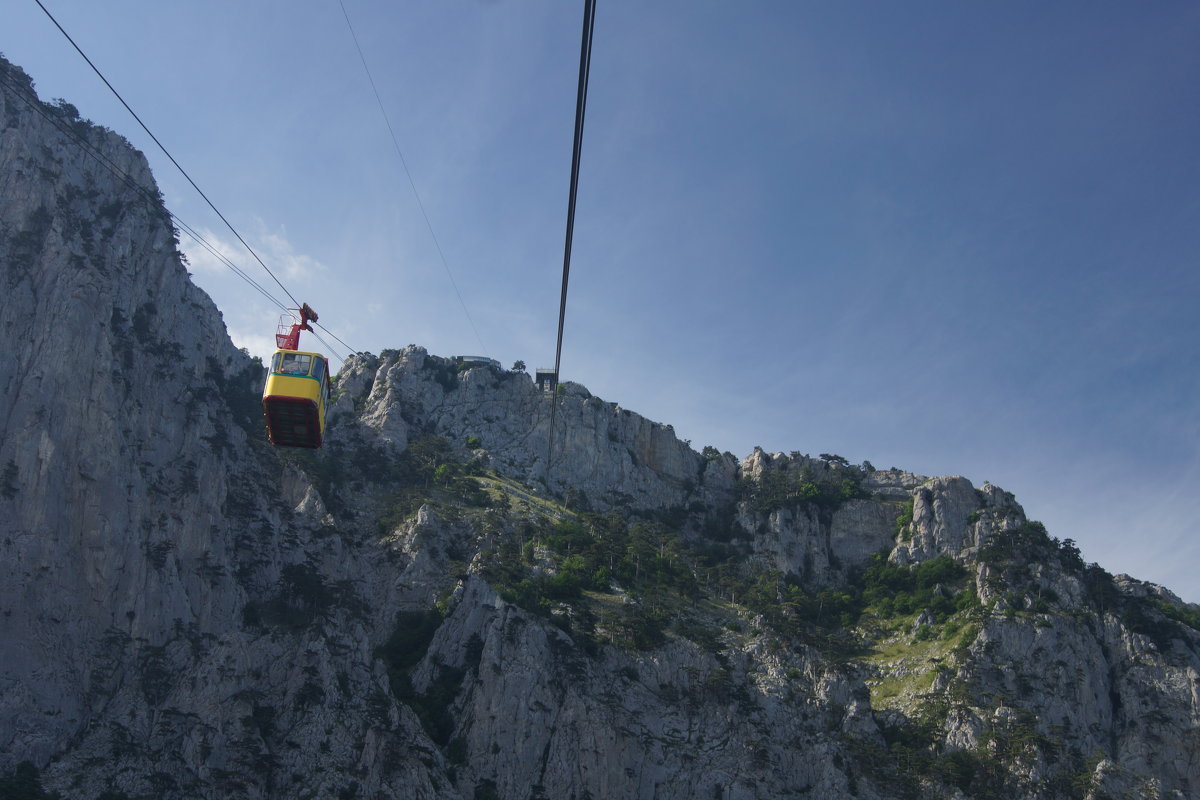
point(431, 608)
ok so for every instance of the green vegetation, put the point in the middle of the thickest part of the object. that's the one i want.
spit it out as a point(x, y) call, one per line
point(143, 322)
point(1019, 556)
point(429, 470)
point(635, 579)
point(564, 569)
point(885, 591)
point(302, 597)
point(407, 645)
point(1187, 615)
point(404, 649)
point(1159, 620)
point(486, 790)
point(444, 370)
point(890, 590)
point(27, 242)
point(825, 488)
point(915, 764)
point(1014, 553)
point(242, 394)
point(24, 783)
point(548, 564)
point(615, 578)
point(8, 480)
point(904, 520)
point(1021, 545)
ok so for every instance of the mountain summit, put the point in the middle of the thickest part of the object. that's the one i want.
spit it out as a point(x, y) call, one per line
point(432, 606)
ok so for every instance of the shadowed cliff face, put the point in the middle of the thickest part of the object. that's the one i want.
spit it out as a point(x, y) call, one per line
point(116, 418)
point(429, 608)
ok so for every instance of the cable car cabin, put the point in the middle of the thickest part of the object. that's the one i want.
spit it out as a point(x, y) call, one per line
point(295, 397)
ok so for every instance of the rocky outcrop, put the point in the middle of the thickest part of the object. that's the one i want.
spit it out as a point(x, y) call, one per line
point(950, 516)
point(612, 455)
point(811, 541)
point(672, 723)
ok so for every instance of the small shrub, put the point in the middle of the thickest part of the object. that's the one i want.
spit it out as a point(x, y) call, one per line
point(905, 519)
point(409, 641)
point(24, 783)
point(8, 480)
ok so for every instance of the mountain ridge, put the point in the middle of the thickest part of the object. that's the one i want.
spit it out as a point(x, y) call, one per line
point(425, 608)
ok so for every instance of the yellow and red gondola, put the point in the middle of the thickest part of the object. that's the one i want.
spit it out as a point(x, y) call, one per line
point(296, 393)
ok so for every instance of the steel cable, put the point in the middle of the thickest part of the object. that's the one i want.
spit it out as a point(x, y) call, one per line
point(585, 64)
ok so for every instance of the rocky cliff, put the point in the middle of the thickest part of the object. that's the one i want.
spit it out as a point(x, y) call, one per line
point(433, 607)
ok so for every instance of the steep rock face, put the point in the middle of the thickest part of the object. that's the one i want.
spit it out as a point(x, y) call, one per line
point(950, 516)
point(1102, 690)
point(666, 724)
point(1075, 676)
point(183, 615)
point(114, 356)
point(610, 454)
point(797, 541)
point(818, 544)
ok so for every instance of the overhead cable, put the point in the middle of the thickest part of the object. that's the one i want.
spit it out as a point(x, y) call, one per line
point(328, 346)
point(335, 338)
point(167, 153)
point(404, 163)
point(130, 182)
point(585, 64)
point(155, 202)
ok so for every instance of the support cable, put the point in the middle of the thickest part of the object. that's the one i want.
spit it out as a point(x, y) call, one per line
point(328, 346)
point(335, 338)
point(153, 201)
point(585, 64)
point(408, 174)
point(166, 152)
point(185, 174)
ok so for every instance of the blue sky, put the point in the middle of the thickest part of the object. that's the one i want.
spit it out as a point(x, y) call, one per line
point(954, 238)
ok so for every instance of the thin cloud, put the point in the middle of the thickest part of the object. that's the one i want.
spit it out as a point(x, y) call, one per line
point(250, 320)
point(277, 251)
point(256, 343)
point(203, 260)
point(273, 247)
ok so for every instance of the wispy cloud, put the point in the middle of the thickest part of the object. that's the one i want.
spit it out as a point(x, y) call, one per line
point(209, 259)
point(273, 247)
point(256, 343)
point(249, 318)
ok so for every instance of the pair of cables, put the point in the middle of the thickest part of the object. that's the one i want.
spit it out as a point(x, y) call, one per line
point(188, 229)
point(153, 201)
point(585, 65)
point(585, 62)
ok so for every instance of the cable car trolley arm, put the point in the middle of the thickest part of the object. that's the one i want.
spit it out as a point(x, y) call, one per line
point(287, 337)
